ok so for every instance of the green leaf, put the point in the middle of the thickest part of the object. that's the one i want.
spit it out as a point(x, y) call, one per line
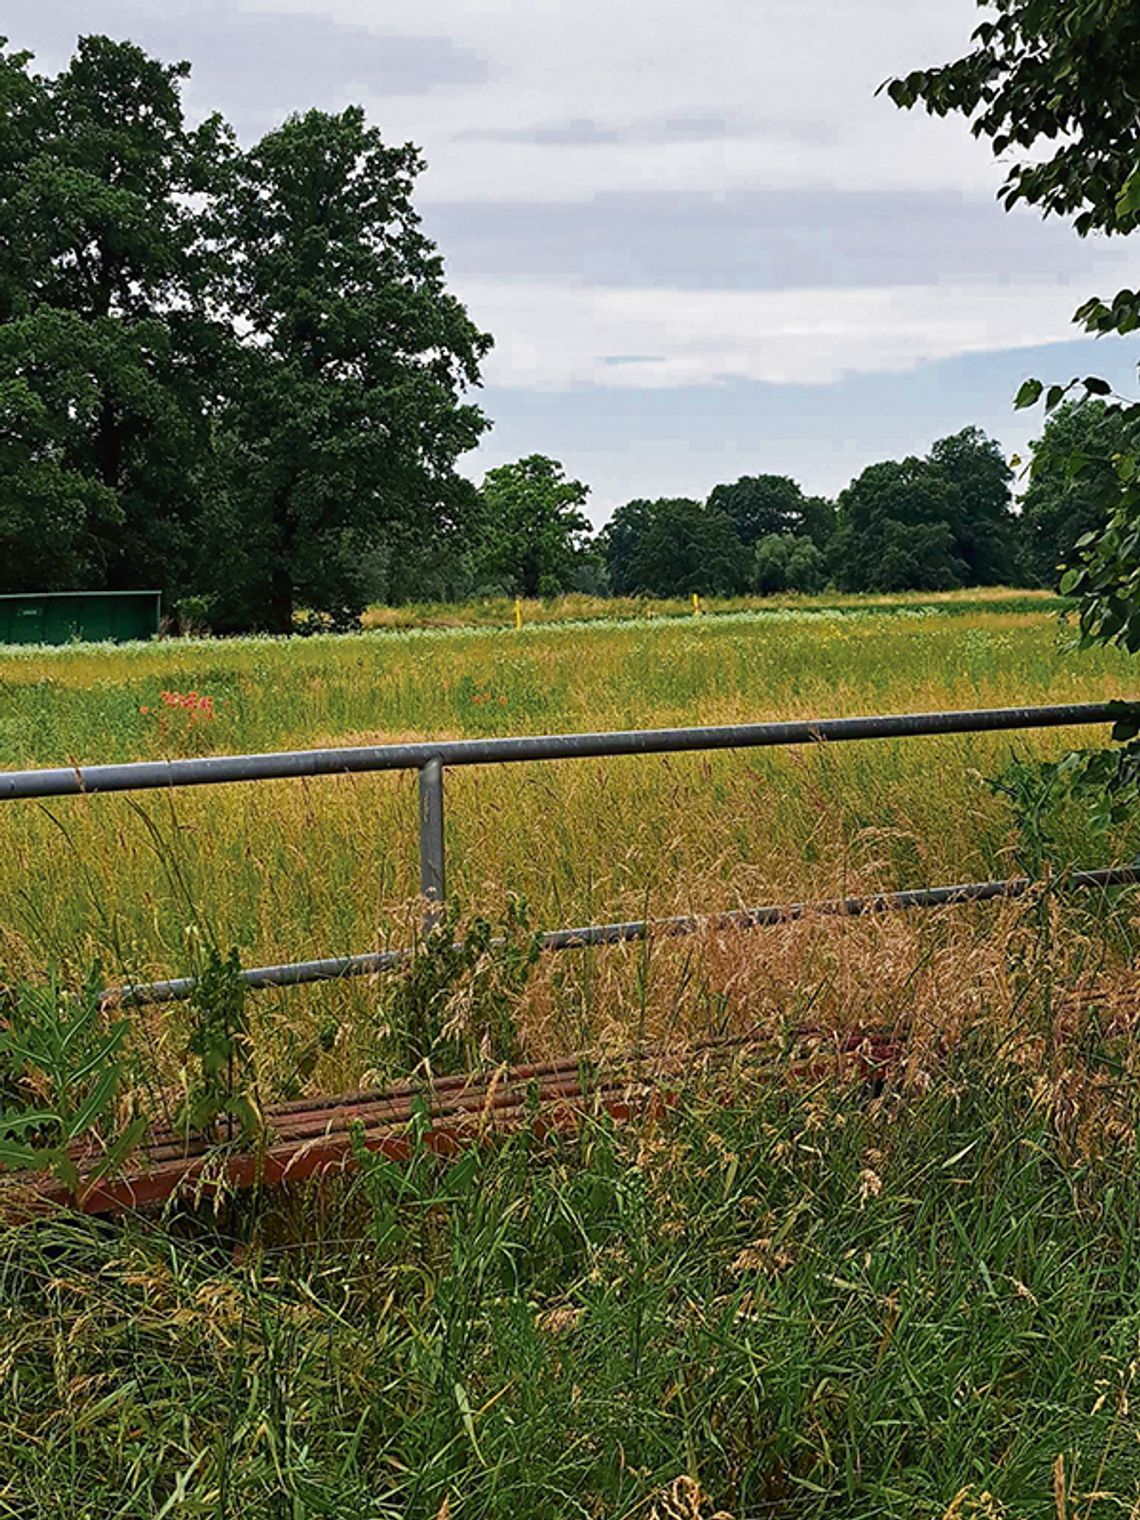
point(19, 1157)
point(1029, 394)
point(95, 1105)
point(117, 1153)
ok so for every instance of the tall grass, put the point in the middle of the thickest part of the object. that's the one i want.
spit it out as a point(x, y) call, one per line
point(805, 1303)
point(500, 611)
point(796, 1295)
point(328, 866)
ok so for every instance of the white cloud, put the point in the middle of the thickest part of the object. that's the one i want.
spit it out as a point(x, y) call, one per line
point(779, 70)
point(553, 336)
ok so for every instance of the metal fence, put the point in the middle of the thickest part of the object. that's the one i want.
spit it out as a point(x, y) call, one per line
point(433, 758)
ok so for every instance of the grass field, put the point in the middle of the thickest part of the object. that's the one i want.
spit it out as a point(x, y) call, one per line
point(784, 1300)
point(500, 612)
point(288, 871)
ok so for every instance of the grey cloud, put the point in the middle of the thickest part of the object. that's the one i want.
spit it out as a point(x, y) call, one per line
point(576, 133)
point(584, 132)
point(755, 241)
point(254, 66)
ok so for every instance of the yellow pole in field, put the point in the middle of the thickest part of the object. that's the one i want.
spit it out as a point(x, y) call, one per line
point(696, 605)
point(518, 612)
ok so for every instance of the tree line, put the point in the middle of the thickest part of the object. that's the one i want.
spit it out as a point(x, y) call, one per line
point(238, 374)
point(937, 523)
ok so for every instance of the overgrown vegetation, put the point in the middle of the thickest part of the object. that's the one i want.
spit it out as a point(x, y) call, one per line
point(796, 1290)
point(807, 1302)
point(452, 1007)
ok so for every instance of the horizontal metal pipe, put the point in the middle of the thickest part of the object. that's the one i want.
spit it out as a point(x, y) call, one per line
point(215, 769)
point(296, 973)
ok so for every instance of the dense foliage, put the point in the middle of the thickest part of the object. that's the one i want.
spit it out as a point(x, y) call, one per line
point(923, 524)
point(1052, 85)
point(933, 523)
point(1073, 487)
point(531, 537)
point(237, 374)
point(673, 546)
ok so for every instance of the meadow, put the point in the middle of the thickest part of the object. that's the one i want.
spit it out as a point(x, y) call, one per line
point(327, 867)
point(807, 1297)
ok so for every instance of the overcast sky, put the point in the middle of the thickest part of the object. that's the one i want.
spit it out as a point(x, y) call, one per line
point(704, 247)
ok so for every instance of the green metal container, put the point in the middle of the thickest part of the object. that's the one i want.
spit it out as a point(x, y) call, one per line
point(61, 617)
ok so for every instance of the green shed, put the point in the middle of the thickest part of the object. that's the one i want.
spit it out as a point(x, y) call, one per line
point(58, 617)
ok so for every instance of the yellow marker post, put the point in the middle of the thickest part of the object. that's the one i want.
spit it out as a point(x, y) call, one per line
point(518, 612)
point(696, 605)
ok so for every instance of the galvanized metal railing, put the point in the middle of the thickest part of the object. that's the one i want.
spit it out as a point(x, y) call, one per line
point(432, 758)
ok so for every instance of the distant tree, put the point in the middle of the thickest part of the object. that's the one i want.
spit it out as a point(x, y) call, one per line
point(25, 123)
point(787, 562)
point(817, 520)
point(928, 524)
point(807, 567)
point(981, 517)
point(1073, 486)
point(894, 530)
point(532, 535)
point(760, 506)
point(619, 539)
point(770, 563)
point(344, 413)
point(103, 267)
point(672, 547)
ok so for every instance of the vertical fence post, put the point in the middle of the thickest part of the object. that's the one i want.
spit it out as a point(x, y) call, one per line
point(433, 884)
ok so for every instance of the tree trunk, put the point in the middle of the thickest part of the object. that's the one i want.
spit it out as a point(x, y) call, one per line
point(281, 576)
point(110, 444)
point(281, 599)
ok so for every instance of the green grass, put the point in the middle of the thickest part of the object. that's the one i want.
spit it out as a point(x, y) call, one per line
point(815, 1304)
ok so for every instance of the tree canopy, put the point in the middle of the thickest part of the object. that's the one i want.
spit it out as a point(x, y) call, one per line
point(345, 420)
point(531, 535)
point(1073, 487)
point(930, 524)
point(759, 506)
point(101, 286)
point(673, 547)
point(785, 562)
point(237, 373)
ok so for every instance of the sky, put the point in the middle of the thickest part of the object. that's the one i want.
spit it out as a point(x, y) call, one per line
point(703, 245)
